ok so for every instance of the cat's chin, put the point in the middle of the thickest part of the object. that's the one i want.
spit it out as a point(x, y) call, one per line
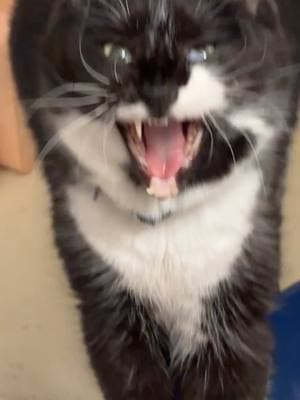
point(162, 150)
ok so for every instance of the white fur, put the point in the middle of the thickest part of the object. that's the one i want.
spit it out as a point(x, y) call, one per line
point(176, 262)
point(132, 112)
point(250, 120)
point(181, 259)
point(203, 93)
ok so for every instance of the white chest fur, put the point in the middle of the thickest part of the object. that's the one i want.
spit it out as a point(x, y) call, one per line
point(180, 260)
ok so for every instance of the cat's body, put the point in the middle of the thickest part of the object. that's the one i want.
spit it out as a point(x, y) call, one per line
point(174, 292)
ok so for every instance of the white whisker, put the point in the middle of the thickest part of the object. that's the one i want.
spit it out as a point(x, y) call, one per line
point(237, 56)
point(65, 102)
point(113, 10)
point(79, 123)
point(96, 134)
point(116, 72)
point(68, 88)
point(261, 103)
point(124, 9)
point(198, 7)
point(73, 87)
point(110, 124)
point(91, 71)
point(252, 67)
point(127, 8)
point(253, 149)
point(211, 138)
point(224, 136)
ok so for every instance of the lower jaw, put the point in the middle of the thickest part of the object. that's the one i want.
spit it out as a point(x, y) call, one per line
point(163, 189)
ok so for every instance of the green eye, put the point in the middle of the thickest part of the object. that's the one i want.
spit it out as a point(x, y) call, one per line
point(117, 53)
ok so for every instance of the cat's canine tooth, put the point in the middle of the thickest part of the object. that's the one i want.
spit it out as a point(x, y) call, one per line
point(138, 128)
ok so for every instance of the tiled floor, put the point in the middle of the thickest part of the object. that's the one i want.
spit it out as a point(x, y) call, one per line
point(41, 353)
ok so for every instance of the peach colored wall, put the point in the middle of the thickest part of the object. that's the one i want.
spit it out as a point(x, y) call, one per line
point(16, 146)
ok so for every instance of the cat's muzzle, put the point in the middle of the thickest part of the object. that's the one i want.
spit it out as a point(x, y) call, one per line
point(163, 148)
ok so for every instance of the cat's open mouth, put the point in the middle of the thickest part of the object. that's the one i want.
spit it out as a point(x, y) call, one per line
point(163, 148)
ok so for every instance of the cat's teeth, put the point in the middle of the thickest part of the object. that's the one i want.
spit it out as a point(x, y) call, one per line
point(164, 122)
point(139, 130)
point(150, 191)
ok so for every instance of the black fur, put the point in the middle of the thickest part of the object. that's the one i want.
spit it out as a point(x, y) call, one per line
point(129, 350)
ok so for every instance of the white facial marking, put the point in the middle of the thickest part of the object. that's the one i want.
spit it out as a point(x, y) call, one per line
point(249, 120)
point(132, 112)
point(176, 262)
point(203, 93)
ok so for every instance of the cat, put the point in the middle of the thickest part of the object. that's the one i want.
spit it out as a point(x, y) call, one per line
point(163, 128)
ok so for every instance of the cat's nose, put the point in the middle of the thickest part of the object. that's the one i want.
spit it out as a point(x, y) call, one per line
point(159, 99)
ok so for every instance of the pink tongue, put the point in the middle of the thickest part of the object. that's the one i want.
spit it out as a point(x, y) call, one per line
point(164, 149)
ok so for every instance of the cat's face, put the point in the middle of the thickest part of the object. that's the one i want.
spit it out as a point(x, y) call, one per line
point(184, 89)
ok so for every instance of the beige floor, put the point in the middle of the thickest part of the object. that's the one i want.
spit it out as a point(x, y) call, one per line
point(41, 352)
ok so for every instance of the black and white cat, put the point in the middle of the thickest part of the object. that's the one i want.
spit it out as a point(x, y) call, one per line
point(164, 126)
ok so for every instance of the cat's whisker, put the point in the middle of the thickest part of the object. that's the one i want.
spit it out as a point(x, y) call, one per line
point(275, 77)
point(65, 102)
point(223, 135)
point(288, 68)
point(90, 70)
point(84, 146)
point(260, 103)
point(284, 72)
point(198, 7)
point(113, 10)
point(127, 8)
point(250, 68)
point(67, 88)
point(73, 87)
point(216, 8)
point(256, 156)
point(116, 72)
point(81, 155)
point(208, 128)
point(238, 56)
point(78, 123)
point(110, 124)
point(124, 8)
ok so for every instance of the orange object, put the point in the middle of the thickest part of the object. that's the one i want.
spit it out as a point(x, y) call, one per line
point(17, 150)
